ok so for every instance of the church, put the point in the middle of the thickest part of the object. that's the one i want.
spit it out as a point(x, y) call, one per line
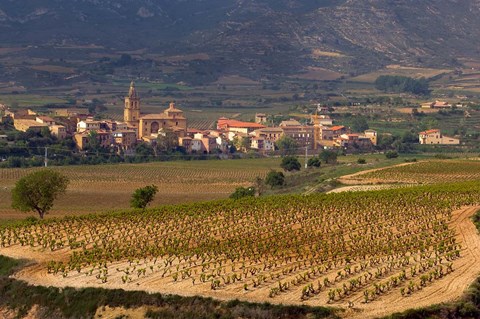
point(149, 125)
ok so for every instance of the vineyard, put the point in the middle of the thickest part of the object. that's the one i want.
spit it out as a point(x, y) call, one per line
point(349, 249)
point(426, 172)
point(110, 186)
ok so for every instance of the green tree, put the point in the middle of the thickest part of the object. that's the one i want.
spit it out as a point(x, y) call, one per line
point(144, 150)
point(290, 163)
point(93, 142)
point(241, 143)
point(143, 196)
point(328, 157)
point(359, 124)
point(241, 192)
point(167, 141)
point(274, 179)
point(314, 162)
point(286, 145)
point(37, 191)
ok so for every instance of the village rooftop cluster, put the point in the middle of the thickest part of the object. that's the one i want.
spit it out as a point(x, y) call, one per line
point(124, 136)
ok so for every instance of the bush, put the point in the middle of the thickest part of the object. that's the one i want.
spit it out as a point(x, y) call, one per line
point(314, 162)
point(241, 192)
point(391, 154)
point(362, 161)
point(290, 163)
point(143, 196)
point(328, 157)
point(274, 179)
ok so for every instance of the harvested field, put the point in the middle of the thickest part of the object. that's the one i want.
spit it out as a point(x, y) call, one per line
point(377, 251)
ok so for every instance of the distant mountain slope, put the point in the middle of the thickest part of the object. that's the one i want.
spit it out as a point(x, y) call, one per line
point(257, 36)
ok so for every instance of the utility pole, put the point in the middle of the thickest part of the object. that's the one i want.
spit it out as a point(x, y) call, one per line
point(46, 156)
point(306, 156)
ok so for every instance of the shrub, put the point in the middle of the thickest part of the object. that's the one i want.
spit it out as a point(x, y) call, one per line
point(328, 157)
point(362, 161)
point(290, 163)
point(274, 179)
point(391, 154)
point(314, 162)
point(241, 192)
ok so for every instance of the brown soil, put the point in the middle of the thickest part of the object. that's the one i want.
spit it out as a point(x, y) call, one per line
point(446, 289)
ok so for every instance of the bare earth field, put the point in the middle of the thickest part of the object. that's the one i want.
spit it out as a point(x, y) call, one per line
point(445, 289)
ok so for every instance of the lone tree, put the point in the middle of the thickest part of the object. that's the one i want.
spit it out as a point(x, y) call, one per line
point(143, 196)
point(38, 190)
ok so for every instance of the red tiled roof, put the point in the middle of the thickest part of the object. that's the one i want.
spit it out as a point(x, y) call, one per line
point(430, 131)
point(338, 127)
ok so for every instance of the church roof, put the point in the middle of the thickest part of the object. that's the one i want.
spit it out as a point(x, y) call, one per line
point(172, 108)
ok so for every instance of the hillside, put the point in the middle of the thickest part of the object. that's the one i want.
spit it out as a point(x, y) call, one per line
point(255, 38)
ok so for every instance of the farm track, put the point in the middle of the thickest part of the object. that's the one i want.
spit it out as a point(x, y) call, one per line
point(445, 289)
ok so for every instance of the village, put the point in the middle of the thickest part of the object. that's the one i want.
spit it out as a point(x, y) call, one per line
point(230, 135)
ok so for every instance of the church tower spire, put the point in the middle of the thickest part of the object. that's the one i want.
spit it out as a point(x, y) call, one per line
point(132, 93)
point(131, 114)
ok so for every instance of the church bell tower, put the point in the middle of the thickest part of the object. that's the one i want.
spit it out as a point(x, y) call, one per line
point(131, 113)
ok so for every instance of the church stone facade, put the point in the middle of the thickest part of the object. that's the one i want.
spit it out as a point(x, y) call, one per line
point(148, 125)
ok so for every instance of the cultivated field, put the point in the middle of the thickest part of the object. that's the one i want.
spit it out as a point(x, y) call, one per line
point(425, 172)
point(318, 74)
point(105, 187)
point(377, 252)
point(401, 71)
